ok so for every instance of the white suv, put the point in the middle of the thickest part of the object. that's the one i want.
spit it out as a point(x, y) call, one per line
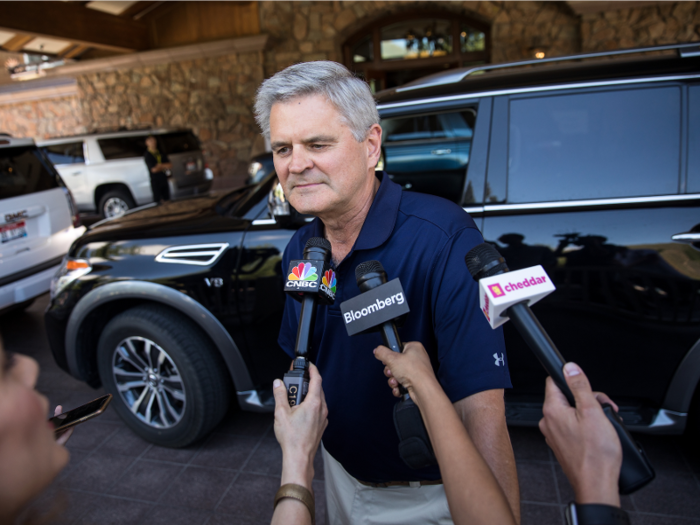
point(106, 172)
point(38, 222)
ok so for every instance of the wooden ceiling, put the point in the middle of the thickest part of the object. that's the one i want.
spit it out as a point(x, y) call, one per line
point(79, 29)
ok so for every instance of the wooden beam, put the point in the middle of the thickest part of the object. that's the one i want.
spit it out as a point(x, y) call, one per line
point(74, 51)
point(17, 42)
point(74, 23)
point(135, 9)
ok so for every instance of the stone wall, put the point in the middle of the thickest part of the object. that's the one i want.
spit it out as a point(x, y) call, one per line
point(212, 96)
point(648, 26)
point(42, 118)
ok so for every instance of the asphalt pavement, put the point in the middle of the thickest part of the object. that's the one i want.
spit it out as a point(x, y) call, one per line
point(114, 477)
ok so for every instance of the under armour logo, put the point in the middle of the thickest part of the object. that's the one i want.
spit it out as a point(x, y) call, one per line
point(500, 361)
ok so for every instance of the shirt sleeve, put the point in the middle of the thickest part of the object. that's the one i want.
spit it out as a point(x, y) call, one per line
point(151, 161)
point(472, 356)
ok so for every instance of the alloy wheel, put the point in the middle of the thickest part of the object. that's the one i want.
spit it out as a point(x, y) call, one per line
point(115, 207)
point(148, 382)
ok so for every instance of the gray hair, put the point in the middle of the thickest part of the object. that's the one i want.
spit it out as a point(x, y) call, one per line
point(350, 95)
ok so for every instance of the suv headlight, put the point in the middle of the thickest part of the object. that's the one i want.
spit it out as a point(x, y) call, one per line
point(70, 270)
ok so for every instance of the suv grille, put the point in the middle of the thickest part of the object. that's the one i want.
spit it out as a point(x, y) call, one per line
point(195, 254)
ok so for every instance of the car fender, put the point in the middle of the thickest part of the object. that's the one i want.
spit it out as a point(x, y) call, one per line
point(685, 381)
point(170, 297)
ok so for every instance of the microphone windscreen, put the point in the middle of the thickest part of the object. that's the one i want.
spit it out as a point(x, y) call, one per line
point(318, 242)
point(484, 261)
point(368, 267)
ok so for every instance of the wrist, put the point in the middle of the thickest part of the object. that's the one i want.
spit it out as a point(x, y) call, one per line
point(601, 490)
point(424, 389)
point(298, 470)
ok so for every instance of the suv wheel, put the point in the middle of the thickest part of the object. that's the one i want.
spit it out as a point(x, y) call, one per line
point(168, 383)
point(115, 203)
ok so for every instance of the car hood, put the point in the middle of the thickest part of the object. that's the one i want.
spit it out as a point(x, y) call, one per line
point(210, 213)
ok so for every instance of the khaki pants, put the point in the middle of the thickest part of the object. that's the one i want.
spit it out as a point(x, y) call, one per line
point(348, 502)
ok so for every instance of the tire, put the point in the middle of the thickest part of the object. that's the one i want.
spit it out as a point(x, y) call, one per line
point(185, 391)
point(115, 203)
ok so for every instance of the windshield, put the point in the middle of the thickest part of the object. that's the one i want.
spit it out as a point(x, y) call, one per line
point(23, 173)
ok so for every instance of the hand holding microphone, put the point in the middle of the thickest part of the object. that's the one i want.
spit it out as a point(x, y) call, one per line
point(310, 281)
point(503, 295)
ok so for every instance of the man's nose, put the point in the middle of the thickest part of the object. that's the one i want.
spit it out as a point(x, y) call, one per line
point(301, 160)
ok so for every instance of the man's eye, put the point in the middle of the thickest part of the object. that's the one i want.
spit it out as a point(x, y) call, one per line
point(281, 151)
point(318, 146)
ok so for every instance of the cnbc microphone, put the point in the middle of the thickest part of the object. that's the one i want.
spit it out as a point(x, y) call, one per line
point(507, 295)
point(312, 282)
point(377, 308)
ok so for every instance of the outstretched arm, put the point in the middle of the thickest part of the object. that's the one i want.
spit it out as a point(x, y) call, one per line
point(473, 494)
point(298, 430)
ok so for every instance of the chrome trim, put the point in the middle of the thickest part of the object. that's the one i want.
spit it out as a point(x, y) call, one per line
point(250, 400)
point(579, 85)
point(182, 254)
point(264, 222)
point(460, 74)
point(474, 209)
point(590, 203)
point(686, 237)
point(666, 422)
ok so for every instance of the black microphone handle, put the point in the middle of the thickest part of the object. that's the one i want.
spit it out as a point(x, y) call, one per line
point(307, 320)
point(392, 341)
point(541, 344)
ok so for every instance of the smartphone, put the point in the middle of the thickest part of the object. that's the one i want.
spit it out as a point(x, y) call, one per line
point(64, 421)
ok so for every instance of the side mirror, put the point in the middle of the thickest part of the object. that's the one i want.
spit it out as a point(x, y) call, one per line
point(279, 208)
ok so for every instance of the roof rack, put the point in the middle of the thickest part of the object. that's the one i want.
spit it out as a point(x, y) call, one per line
point(685, 50)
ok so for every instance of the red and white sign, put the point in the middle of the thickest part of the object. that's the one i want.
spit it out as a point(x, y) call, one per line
point(498, 293)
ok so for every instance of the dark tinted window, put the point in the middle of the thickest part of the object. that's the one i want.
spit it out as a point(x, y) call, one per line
point(71, 153)
point(594, 145)
point(694, 141)
point(179, 142)
point(123, 147)
point(425, 127)
point(22, 173)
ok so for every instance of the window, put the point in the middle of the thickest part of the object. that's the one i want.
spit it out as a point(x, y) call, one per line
point(123, 147)
point(694, 141)
point(401, 48)
point(179, 142)
point(426, 127)
point(594, 145)
point(22, 172)
point(71, 153)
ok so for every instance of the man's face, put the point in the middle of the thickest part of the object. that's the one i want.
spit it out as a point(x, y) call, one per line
point(151, 143)
point(323, 170)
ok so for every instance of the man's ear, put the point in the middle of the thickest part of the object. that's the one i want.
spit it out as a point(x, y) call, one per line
point(374, 145)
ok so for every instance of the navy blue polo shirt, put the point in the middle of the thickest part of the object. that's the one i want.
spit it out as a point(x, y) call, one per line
point(422, 240)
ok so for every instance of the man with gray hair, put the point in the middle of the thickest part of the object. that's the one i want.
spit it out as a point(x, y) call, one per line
point(324, 131)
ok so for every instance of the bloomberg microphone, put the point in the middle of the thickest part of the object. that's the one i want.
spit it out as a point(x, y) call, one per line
point(507, 295)
point(312, 282)
point(377, 308)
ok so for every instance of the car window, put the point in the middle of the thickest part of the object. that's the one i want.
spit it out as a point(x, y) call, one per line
point(694, 141)
point(459, 125)
point(70, 153)
point(605, 144)
point(123, 147)
point(178, 142)
point(22, 173)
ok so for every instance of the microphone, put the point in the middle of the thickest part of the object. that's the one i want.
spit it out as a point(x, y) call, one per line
point(307, 284)
point(507, 295)
point(377, 308)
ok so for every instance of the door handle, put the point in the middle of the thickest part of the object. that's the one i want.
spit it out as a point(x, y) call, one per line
point(441, 151)
point(686, 237)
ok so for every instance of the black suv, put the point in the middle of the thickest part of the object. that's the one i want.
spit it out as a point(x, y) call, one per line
point(589, 168)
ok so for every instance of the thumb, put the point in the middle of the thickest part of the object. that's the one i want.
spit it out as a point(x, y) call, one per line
point(385, 355)
point(280, 392)
point(579, 386)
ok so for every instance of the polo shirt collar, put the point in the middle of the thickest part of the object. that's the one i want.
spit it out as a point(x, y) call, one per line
point(380, 220)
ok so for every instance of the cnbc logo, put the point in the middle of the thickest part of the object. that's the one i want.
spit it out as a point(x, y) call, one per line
point(303, 276)
point(303, 272)
point(496, 290)
point(329, 281)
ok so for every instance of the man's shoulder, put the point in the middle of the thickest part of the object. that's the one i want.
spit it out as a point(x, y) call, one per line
point(442, 214)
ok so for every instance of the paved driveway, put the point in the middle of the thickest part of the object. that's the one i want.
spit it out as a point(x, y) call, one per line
point(231, 477)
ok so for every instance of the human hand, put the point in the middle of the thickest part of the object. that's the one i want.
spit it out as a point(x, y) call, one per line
point(299, 429)
point(583, 440)
point(409, 368)
point(66, 434)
